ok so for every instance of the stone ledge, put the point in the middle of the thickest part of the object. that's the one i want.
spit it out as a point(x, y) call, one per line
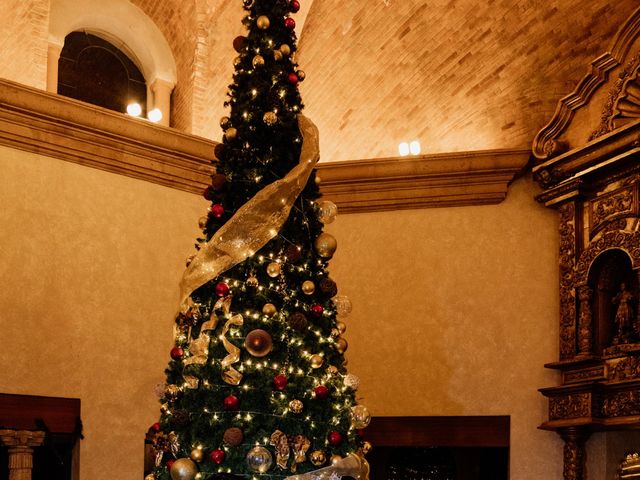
point(63, 128)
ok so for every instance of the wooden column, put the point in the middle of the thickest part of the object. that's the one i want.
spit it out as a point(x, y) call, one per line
point(585, 322)
point(575, 453)
point(21, 444)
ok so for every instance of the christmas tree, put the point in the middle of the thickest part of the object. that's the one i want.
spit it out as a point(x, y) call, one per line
point(257, 385)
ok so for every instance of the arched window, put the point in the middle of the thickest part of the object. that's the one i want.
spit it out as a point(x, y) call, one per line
point(93, 70)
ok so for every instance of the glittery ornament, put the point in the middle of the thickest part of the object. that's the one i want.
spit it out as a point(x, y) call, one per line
point(277, 55)
point(293, 253)
point(360, 417)
point(343, 305)
point(252, 282)
point(171, 392)
point(335, 438)
point(296, 406)
point(366, 447)
point(233, 436)
point(321, 392)
point(298, 321)
point(351, 381)
point(328, 287)
point(270, 118)
point(259, 460)
point(217, 456)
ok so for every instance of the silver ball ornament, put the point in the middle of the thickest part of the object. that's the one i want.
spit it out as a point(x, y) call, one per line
point(327, 212)
point(259, 460)
point(343, 305)
point(351, 381)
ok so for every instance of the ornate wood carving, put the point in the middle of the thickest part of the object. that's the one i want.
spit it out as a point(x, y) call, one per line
point(547, 143)
point(585, 321)
point(570, 406)
point(629, 242)
point(575, 454)
point(594, 373)
point(626, 368)
point(622, 404)
point(620, 203)
point(567, 290)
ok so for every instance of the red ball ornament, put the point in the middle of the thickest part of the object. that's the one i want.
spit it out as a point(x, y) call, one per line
point(317, 310)
point(361, 433)
point(170, 463)
point(222, 289)
point(176, 353)
point(335, 438)
point(231, 403)
point(289, 23)
point(293, 79)
point(321, 391)
point(294, 5)
point(216, 210)
point(280, 382)
point(217, 456)
point(207, 194)
point(156, 427)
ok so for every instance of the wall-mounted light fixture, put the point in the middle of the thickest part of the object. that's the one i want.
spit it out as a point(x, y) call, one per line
point(406, 148)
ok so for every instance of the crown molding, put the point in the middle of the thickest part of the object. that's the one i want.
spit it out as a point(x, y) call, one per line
point(63, 128)
point(67, 129)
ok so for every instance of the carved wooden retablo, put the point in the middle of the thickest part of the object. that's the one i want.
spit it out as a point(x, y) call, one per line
point(591, 176)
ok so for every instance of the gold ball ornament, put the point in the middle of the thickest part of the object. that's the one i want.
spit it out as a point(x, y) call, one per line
point(296, 406)
point(231, 133)
point(184, 469)
point(318, 179)
point(335, 459)
point(277, 55)
point(237, 61)
point(343, 305)
point(172, 392)
point(285, 49)
point(332, 370)
point(342, 327)
point(317, 457)
point(316, 361)
point(202, 222)
point(274, 269)
point(308, 287)
point(270, 118)
point(258, 343)
point(225, 122)
point(269, 309)
point(341, 345)
point(252, 282)
point(335, 333)
point(258, 61)
point(301, 75)
point(360, 417)
point(197, 454)
point(263, 22)
point(151, 476)
point(325, 245)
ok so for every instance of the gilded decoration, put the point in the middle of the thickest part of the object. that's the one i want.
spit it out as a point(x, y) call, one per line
point(627, 368)
point(623, 101)
point(595, 373)
point(615, 204)
point(629, 242)
point(567, 292)
point(622, 404)
point(570, 406)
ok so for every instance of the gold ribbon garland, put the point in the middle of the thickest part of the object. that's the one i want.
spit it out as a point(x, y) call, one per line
point(255, 223)
point(229, 374)
point(352, 465)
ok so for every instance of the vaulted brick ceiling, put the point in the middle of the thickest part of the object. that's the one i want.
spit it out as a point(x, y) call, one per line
point(457, 74)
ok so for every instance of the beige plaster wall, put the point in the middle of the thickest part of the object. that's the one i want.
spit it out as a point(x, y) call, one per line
point(455, 313)
point(89, 267)
point(455, 309)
